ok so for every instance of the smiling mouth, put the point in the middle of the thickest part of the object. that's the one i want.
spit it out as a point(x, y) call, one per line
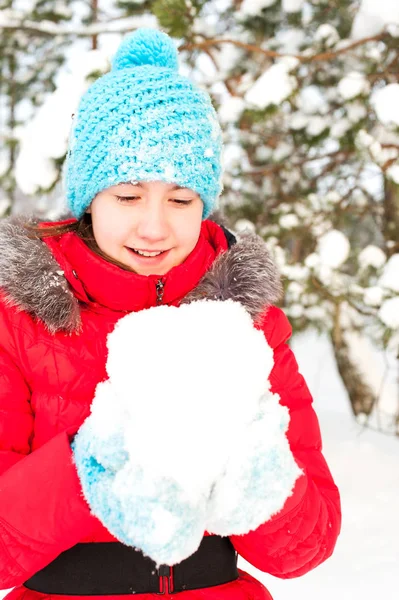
point(147, 253)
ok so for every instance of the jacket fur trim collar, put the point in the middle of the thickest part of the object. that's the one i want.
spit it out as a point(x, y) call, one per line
point(32, 279)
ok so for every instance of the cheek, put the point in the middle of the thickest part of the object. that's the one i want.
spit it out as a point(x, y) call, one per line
point(189, 232)
point(109, 230)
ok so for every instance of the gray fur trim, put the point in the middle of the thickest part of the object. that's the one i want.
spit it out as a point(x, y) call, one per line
point(32, 280)
point(246, 273)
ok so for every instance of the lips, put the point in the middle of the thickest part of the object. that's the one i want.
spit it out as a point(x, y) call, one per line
point(148, 253)
point(149, 256)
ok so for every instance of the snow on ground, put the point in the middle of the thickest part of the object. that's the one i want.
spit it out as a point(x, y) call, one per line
point(364, 463)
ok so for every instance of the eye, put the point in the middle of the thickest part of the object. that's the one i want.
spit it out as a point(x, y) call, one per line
point(126, 199)
point(181, 202)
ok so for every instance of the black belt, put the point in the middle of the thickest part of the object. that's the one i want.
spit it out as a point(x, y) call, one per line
point(111, 568)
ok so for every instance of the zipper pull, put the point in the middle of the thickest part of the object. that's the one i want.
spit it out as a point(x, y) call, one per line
point(159, 286)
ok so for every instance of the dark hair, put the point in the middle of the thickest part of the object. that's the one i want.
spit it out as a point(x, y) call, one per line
point(82, 228)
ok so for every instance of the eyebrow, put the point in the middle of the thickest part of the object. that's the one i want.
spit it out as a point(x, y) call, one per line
point(175, 187)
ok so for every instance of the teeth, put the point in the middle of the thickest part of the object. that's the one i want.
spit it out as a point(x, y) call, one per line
point(148, 253)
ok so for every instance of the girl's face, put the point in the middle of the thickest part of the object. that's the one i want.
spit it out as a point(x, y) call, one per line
point(147, 226)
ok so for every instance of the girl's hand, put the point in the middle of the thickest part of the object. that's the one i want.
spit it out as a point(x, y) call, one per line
point(259, 476)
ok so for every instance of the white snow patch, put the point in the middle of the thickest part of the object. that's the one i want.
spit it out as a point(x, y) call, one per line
point(5, 204)
point(298, 121)
point(315, 313)
point(352, 85)
point(45, 138)
point(290, 40)
point(393, 173)
point(386, 104)
point(390, 275)
point(272, 87)
point(373, 295)
point(289, 221)
point(316, 125)
point(333, 197)
point(250, 8)
point(311, 100)
point(373, 16)
point(389, 313)
point(372, 256)
point(282, 150)
point(263, 153)
point(340, 128)
point(356, 111)
point(231, 109)
point(234, 155)
point(327, 33)
point(226, 57)
point(295, 311)
point(333, 248)
point(312, 260)
point(3, 161)
point(292, 6)
point(244, 225)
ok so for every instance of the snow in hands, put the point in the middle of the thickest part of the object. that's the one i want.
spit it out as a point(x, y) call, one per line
point(185, 433)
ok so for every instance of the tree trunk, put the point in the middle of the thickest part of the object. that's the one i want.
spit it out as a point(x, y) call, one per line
point(10, 180)
point(361, 396)
point(390, 226)
point(94, 17)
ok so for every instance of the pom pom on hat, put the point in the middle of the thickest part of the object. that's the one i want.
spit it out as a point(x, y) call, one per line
point(146, 47)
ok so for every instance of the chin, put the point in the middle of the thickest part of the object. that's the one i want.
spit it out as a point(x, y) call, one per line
point(160, 270)
point(148, 272)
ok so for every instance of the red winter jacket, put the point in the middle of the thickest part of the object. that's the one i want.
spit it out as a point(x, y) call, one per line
point(54, 319)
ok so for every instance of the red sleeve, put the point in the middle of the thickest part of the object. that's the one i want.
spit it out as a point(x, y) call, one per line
point(304, 533)
point(42, 510)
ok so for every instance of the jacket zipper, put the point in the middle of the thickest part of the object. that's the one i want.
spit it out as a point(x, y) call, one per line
point(165, 575)
point(159, 286)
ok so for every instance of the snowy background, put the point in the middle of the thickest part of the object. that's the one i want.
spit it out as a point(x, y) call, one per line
point(329, 160)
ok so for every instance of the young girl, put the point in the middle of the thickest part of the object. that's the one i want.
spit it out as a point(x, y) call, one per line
point(96, 500)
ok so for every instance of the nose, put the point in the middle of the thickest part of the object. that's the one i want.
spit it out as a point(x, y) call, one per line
point(152, 225)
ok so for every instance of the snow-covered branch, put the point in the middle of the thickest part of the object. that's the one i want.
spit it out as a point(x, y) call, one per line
point(14, 20)
point(322, 56)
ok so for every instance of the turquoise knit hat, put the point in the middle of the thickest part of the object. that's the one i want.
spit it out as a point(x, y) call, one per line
point(143, 121)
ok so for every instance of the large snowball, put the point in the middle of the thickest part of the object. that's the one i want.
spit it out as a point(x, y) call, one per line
point(195, 374)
